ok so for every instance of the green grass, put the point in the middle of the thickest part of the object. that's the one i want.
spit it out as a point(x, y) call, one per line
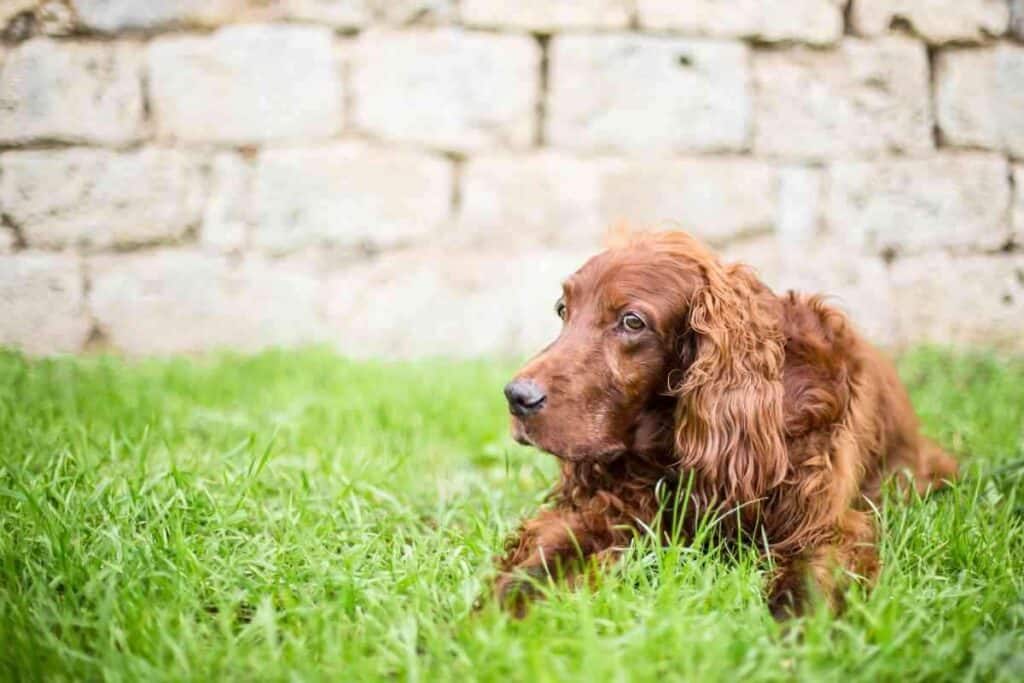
point(298, 516)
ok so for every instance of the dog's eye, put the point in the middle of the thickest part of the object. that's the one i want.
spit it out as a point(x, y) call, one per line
point(633, 322)
point(560, 308)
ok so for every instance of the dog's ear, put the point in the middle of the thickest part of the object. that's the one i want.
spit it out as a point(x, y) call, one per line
point(729, 418)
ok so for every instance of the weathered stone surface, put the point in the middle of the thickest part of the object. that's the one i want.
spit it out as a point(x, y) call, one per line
point(54, 18)
point(174, 301)
point(228, 213)
point(348, 195)
point(41, 303)
point(545, 199)
point(812, 21)
point(447, 88)
point(404, 12)
point(22, 19)
point(904, 206)
point(862, 99)
point(801, 200)
point(839, 171)
point(1018, 205)
point(937, 21)
point(12, 8)
point(976, 300)
point(541, 15)
point(448, 303)
point(339, 13)
point(118, 15)
point(980, 97)
point(99, 198)
point(857, 285)
point(1017, 19)
point(551, 199)
point(647, 94)
point(72, 92)
point(715, 199)
point(247, 84)
point(358, 13)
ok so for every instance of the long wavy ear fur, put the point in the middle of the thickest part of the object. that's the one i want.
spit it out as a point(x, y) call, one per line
point(729, 419)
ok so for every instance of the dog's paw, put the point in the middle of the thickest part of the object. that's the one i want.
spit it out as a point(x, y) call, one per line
point(515, 591)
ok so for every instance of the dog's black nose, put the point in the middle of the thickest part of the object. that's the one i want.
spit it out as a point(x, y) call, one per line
point(525, 397)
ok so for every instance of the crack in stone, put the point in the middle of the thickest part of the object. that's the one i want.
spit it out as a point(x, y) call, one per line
point(543, 42)
point(7, 221)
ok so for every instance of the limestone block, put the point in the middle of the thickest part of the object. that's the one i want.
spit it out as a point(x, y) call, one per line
point(544, 199)
point(42, 307)
point(717, 200)
point(862, 99)
point(12, 8)
point(1017, 19)
point(119, 15)
point(646, 94)
point(181, 301)
point(957, 201)
point(817, 22)
point(980, 98)
point(967, 301)
point(937, 21)
point(228, 215)
point(348, 195)
point(247, 84)
point(857, 285)
point(447, 88)
point(100, 198)
point(449, 303)
point(338, 13)
point(71, 92)
point(361, 13)
point(541, 15)
point(551, 199)
point(801, 203)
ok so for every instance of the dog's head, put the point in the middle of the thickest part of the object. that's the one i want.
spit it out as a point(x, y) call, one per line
point(661, 347)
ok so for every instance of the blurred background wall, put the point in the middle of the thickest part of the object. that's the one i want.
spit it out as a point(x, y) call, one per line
point(415, 177)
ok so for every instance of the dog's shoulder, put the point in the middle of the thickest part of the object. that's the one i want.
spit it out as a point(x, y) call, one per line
point(815, 330)
point(821, 355)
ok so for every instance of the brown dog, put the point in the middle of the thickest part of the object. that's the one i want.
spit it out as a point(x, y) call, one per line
point(671, 365)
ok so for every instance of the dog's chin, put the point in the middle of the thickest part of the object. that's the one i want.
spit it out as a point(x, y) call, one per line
point(520, 435)
point(590, 455)
point(596, 453)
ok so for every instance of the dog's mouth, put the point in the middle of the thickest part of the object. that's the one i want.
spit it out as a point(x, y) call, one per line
point(522, 436)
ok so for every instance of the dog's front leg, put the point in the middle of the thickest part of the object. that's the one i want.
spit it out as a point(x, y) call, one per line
point(824, 571)
point(555, 545)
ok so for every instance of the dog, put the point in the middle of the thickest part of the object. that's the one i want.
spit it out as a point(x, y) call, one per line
point(672, 365)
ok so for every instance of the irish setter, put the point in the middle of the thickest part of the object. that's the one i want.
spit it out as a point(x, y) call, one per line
point(672, 365)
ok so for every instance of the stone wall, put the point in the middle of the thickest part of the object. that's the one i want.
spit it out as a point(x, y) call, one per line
point(414, 177)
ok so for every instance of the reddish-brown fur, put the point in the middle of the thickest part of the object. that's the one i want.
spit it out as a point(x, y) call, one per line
point(779, 411)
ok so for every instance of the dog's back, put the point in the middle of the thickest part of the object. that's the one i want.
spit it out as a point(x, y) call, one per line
point(833, 376)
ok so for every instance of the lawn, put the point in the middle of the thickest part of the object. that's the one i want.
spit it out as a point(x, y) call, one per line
point(300, 516)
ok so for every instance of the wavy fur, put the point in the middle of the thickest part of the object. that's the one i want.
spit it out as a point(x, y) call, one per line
point(773, 406)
